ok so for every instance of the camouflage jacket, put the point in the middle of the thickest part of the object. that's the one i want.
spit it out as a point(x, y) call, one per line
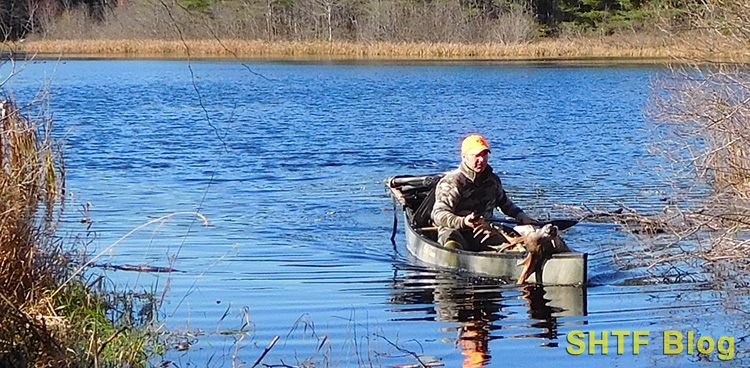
point(462, 191)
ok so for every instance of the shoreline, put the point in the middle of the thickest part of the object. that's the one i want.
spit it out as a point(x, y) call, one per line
point(613, 50)
point(572, 61)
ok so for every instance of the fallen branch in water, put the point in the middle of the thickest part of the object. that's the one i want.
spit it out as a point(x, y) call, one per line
point(136, 268)
point(131, 232)
point(672, 219)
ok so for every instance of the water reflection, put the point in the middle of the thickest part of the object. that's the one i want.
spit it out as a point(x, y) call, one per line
point(483, 309)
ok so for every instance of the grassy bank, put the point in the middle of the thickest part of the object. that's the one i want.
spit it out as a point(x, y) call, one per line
point(52, 316)
point(647, 49)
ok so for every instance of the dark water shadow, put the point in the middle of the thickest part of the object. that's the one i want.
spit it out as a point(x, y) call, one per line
point(483, 309)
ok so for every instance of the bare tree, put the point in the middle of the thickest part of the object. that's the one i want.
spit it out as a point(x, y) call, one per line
point(700, 114)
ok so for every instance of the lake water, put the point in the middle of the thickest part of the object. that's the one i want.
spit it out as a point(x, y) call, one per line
point(288, 166)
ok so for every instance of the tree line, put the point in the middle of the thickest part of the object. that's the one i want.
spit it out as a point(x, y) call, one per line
point(19, 18)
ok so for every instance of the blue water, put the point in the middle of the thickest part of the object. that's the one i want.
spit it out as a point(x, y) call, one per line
point(289, 168)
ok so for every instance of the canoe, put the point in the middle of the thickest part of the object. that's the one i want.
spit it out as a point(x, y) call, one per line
point(569, 268)
point(562, 269)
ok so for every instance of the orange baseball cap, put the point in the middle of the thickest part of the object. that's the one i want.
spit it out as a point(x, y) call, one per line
point(474, 144)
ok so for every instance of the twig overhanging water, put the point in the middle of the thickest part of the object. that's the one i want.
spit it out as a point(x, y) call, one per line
point(413, 354)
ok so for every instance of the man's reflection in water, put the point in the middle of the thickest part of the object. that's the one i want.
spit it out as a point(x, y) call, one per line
point(473, 339)
point(475, 309)
point(478, 304)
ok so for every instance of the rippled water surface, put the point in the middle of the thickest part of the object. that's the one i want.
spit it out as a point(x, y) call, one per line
point(288, 167)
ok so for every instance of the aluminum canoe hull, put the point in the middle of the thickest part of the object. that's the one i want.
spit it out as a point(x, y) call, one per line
point(562, 269)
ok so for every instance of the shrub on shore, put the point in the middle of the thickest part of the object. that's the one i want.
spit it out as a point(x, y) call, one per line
point(300, 20)
point(700, 115)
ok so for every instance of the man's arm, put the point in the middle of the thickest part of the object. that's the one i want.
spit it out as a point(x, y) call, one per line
point(446, 200)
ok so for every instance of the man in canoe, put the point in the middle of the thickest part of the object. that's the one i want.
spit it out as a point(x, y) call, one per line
point(468, 195)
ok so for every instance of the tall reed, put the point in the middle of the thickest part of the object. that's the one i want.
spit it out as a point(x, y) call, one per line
point(30, 176)
point(43, 326)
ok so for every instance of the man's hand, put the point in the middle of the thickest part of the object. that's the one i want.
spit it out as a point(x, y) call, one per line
point(473, 221)
point(525, 219)
point(485, 231)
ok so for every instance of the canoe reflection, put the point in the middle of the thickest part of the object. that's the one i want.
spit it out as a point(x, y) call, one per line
point(484, 309)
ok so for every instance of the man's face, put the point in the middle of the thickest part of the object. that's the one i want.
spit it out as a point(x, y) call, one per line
point(477, 162)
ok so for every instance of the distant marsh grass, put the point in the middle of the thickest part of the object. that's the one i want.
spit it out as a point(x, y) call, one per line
point(616, 47)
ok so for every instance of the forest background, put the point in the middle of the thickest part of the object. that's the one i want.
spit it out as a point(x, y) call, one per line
point(362, 28)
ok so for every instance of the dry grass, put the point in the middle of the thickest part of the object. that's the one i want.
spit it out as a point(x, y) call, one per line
point(30, 176)
point(603, 48)
point(44, 324)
